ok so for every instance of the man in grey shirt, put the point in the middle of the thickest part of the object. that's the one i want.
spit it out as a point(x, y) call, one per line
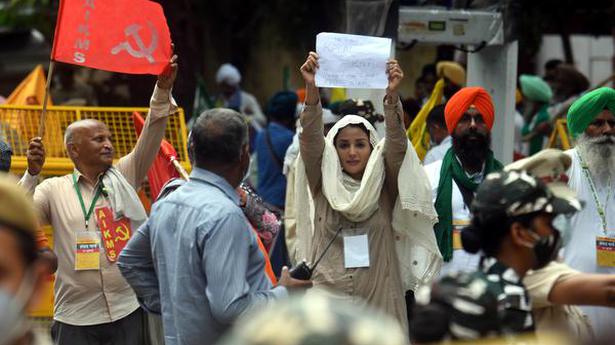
point(196, 260)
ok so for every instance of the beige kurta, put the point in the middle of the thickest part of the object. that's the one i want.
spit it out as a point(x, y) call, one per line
point(568, 320)
point(379, 284)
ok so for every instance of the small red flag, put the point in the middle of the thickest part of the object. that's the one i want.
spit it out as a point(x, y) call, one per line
point(162, 170)
point(127, 36)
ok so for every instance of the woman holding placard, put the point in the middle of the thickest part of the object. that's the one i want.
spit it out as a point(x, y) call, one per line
point(371, 199)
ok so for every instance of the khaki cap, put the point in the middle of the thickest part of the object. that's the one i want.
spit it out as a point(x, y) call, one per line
point(16, 208)
point(550, 166)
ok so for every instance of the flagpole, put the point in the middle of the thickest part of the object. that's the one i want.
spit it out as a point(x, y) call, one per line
point(180, 169)
point(41, 124)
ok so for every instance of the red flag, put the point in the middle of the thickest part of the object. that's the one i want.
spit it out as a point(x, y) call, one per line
point(162, 170)
point(127, 36)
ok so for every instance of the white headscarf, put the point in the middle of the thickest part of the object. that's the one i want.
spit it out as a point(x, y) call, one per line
point(293, 150)
point(413, 214)
point(340, 190)
point(229, 74)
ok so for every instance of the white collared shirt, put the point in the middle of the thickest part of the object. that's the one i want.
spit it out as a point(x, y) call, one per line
point(462, 261)
point(437, 152)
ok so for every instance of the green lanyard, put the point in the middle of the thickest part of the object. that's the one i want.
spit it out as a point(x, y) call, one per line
point(86, 214)
point(599, 206)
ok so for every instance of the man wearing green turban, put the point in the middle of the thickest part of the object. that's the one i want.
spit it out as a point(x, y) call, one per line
point(591, 121)
point(536, 95)
point(587, 108)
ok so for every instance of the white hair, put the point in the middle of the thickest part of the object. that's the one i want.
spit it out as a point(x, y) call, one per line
point(68, 137)
point(599, 155)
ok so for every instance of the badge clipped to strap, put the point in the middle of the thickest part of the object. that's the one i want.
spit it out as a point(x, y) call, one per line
point(115, 233)
point(605, 245)
point(356, 248)
point(87, 251)
point(458, 225)
point(605, 250)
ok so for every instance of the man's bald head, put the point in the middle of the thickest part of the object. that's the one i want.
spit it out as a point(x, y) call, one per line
point(88, 143)
point(73, 131)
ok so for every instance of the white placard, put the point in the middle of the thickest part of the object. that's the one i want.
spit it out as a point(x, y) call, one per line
point(352, 61)
point(356, 251)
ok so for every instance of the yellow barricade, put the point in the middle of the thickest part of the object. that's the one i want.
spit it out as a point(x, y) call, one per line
point(18, 124)
point(559, 137)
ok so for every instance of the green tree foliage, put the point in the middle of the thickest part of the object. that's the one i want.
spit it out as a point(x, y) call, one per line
point(26, 14)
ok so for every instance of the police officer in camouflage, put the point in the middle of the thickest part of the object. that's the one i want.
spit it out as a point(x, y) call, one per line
point(512, 228)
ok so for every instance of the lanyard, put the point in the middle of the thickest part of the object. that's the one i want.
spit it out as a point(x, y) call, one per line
point(86, 214)
point(599, 206)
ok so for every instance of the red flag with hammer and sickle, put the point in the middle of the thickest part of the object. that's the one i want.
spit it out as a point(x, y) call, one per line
point(162, 169)
point(127, 36)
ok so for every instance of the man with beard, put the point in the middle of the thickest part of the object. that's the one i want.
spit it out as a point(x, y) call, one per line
point(469, 117)
point(591, 120)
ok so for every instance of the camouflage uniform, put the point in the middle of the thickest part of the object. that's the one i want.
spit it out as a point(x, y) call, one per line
point(488, 302)
point(514, 305)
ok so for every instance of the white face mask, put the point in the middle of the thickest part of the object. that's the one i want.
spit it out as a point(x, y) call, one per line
point(13, 320)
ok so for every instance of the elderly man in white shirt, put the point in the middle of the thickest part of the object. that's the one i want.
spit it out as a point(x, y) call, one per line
point(591, 120)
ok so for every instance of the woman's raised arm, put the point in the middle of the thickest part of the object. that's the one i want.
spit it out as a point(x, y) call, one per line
point(311, 139)
point(396, 142)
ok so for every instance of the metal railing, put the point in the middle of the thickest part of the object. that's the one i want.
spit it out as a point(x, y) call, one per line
point(18, 124)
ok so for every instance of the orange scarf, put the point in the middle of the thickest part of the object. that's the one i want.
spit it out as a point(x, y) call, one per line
point(268, 269)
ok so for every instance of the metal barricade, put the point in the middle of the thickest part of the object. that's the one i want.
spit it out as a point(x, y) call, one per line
point(559, 137)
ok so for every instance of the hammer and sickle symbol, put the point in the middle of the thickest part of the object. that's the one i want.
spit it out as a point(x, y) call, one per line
point(142, 51)
point(122, 232)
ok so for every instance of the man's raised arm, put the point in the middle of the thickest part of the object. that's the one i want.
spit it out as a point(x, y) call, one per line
point(134, 166)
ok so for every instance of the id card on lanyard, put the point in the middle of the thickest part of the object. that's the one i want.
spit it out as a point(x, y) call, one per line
point(87, 251)
point(458, 225)
point(605, 243)
point(87, 243)
point(605, 250)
